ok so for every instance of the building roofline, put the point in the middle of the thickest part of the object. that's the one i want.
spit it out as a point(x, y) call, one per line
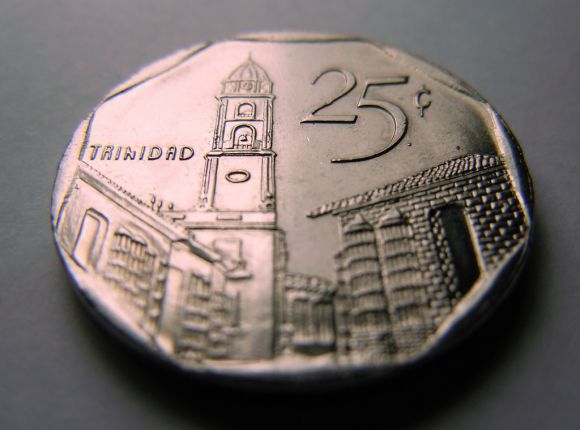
point(136, 206)
point(461, 166)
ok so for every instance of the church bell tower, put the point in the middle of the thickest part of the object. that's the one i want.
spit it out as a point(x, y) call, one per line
point(236, 210)
point(239, 170)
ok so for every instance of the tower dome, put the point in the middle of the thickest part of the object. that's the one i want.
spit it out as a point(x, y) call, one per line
point(248, 78)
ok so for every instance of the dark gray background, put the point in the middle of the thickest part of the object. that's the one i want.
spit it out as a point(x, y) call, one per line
point(58, 369)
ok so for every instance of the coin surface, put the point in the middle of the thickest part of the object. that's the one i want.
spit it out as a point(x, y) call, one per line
point(288, 204)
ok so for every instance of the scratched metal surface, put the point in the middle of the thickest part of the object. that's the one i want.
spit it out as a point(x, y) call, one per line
point(59, 369)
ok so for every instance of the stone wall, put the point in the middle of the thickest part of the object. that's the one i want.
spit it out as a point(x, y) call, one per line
point(422, 282)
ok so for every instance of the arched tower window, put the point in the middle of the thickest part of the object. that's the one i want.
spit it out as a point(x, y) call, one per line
point(244, 137)
point(246, 111)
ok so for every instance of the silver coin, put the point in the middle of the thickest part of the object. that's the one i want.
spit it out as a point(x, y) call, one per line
point(283, 205)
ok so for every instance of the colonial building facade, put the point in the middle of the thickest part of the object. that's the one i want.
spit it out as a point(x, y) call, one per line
point(211, 282)
point(172, 287)
point(411, 250)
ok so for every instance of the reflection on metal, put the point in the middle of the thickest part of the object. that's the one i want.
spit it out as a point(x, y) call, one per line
point(218, 277)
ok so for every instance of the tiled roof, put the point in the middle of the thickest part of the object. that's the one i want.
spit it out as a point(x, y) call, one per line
point(116, 191)
point(452, 168)
point(85, 167)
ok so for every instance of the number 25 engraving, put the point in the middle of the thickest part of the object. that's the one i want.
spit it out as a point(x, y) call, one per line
point(391, 110)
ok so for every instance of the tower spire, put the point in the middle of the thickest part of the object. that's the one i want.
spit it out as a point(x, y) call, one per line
point(239, 171)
